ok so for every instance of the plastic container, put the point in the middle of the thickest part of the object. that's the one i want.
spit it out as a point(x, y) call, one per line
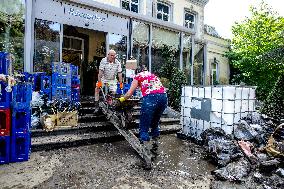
point(61, 68)
point(4, 149)
point(5, 122)
point(5, 97)
point(74, 70)
point(61, 80)
point(21, 121)
point(20, 147)
point(4, 63)
point(75, 96)
point(61, 93)
point(214, 106)
point(22, 96)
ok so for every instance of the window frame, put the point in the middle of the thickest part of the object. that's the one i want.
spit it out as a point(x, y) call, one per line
point(186, 11)
point(169, 5)
point(130, 2)
point(216, 70)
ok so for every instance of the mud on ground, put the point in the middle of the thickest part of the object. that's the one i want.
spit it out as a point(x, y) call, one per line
point(111, 165)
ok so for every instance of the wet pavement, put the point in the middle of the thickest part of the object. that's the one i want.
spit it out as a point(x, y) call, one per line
point(111, 165)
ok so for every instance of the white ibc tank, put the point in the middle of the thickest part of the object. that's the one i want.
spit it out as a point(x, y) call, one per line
point(215, 106)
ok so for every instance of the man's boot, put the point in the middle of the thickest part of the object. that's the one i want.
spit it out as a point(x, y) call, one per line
point(155, 146)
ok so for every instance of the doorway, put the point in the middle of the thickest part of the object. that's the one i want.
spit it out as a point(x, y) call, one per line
point(84, 48)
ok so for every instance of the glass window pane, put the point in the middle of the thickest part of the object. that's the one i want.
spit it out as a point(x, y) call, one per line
point(12, 31)
point(135, 1)
point(159, 16)
point(198, 64)
point(47, 45)
point(165, 47)
point(165, 17)
point(134, 8)
point(159, 7)
point(141, 43)
point(186, 55)
point(119, 44)
point(166, 9)
point(66, 43)
point(125, 5)
point(76, 44)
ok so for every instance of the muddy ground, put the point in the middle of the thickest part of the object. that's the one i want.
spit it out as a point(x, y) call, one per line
point(111, 165)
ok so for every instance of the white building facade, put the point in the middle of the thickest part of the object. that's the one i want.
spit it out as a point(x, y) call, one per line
point(82, 31)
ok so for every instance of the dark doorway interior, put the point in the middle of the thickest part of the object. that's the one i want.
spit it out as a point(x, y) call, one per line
point(84, 48)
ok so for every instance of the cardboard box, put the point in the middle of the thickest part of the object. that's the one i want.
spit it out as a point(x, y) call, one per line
point(131, 64)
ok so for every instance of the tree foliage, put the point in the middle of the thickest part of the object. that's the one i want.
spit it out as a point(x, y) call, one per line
point(274, 103)
point(253, 55)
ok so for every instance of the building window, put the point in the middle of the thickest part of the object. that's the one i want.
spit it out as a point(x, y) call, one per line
point(189, 20)
point(131, 5)
point(163, 11)
point(214, 73)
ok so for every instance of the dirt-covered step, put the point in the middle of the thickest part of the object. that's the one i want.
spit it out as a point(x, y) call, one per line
point(87, 118)
point(81, 128)
point(78, 138)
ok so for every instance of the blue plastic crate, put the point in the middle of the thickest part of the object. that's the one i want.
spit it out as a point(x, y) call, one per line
point(74, 70)
point(46, 85)
point(4, 149)
point(4, 63)
point(61, 68)
point(61, 93)
point(126, 88)
point(75, 80)
point(61, 80)
point(5, 97)
point(75, 96)
point(34, 79)
point(21, 121)
point(22, 96)
point(20, 147)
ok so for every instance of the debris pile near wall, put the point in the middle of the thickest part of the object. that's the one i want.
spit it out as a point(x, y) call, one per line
point(253, 153)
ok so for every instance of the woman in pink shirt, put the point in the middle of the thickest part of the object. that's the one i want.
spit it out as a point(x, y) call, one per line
point(154, 102)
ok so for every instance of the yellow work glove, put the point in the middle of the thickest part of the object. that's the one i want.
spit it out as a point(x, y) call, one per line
point(122, 99)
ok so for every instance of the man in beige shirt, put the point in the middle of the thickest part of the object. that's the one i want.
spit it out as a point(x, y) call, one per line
point(109, 68)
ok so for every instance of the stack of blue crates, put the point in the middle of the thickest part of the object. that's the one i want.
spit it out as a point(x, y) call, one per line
point(75, 84)
point(21, 122)
point(45, 86)
point(5, 113)
point(61, 81)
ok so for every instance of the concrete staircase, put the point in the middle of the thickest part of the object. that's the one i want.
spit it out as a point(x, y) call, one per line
point(94, 128)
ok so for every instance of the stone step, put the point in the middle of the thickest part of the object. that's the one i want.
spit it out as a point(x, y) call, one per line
point(79, 138)
point(81, 128)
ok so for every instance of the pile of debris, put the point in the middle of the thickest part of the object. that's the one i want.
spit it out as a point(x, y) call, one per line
point(254, 152)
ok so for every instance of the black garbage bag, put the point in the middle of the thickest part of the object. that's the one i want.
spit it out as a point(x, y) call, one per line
point(222, 151)
point(243, 131)
point(214, 133)
point(235, 171)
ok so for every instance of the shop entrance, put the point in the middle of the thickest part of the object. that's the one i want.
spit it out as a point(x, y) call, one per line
point(84, 48)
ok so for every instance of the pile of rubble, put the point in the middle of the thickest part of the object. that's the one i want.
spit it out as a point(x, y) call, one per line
point(254, 152)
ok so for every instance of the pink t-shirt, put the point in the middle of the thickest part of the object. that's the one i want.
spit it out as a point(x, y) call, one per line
point(149, 83)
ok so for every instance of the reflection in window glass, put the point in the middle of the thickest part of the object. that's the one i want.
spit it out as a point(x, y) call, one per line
point(12, 31)
point(186, 56)
point(47, 45)
point(165, 48)
point(140, 43)
point(198, 64)
point(119, 44)
point(214, 73)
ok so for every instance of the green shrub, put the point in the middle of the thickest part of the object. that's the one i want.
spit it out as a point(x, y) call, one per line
point(274, 104)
